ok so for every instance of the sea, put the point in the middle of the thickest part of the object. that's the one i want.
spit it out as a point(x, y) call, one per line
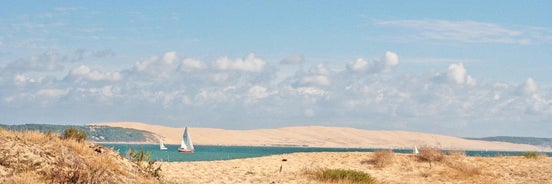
point(212, 153)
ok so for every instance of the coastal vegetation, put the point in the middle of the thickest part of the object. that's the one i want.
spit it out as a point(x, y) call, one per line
point(35, 157)
point(430, 155)
point(340, 176)
point(73, 133)
point(142, 159)
point(382, 158)
point(532, 154)
point(94, 133)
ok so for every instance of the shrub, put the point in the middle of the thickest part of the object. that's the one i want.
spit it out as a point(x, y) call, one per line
point(341, 176)
point(140, 156)
point(430, 154)
point(531, 154)
point(382, 158)
point(73, 133)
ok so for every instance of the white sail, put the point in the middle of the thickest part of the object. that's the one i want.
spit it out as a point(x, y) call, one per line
point(415, 150)
point(186, 145)
point(161, 145)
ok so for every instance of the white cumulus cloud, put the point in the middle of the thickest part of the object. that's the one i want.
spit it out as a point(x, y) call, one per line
point(189, 64)
point(530, 87)
point(248, 64)
point(385, 64)
point(173, 89)
point(84, 72)
point(457, 74)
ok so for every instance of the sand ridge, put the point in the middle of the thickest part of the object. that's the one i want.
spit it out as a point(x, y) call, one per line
point(320, 136)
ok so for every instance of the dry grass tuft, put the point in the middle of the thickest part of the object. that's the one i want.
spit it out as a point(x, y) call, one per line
point(33, 157)
point(24, 177)
point(340, 176)
point(456, 153)
point(464, 169)
point(382, 158)
point(430, 155)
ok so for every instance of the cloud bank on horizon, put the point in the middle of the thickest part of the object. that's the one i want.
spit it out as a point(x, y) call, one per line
point(423, 82)
point(249, 92)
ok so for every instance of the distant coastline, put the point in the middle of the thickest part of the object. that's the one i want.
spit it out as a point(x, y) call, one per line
point(307, 136)
point(323, 137)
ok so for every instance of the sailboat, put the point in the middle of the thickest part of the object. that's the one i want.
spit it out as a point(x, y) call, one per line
point(415, 150)
point(186, 145)
point(161, 145)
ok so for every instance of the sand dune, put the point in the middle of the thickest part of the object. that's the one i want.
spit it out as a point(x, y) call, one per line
point(319, 136)
point(403, 168)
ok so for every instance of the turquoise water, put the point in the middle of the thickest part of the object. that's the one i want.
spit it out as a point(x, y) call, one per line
point(209, 153)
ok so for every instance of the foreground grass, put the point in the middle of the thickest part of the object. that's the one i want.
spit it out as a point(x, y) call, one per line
point(34, 157)
point(340, 176)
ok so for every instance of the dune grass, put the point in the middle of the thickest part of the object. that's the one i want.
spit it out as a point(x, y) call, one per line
point(340, 176)
point(455, 161)
point(381, 158)
point(34, 157)
point(532, 155)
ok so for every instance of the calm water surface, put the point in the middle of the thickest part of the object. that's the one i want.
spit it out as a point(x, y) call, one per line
point(209, 153)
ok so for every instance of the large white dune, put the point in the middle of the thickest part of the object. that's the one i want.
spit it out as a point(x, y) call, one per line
point(320, 136)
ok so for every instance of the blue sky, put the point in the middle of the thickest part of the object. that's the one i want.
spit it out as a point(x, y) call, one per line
point(467, 68)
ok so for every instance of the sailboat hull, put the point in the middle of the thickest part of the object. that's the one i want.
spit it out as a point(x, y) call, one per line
point(185, 150)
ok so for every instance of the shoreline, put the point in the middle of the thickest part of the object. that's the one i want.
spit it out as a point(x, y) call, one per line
point(544, 150)
point(324, 137)
point(368, 149)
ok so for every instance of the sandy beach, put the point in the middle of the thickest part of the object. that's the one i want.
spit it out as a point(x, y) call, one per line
point(65, 160)
point(319, 136)
point(404, 168)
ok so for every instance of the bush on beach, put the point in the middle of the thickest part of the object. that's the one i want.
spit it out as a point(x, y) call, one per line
point(382, 158)
point(430, 155)
point(140, 156)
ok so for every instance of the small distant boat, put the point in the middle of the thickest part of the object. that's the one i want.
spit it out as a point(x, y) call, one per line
point(186, 145)
point(161, 145)
point(415, 150)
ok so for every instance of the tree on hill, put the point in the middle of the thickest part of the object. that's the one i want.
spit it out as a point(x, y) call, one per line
point(73, 133)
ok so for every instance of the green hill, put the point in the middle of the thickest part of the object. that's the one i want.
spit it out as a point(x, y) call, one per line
point(94, 133)
point(547, 142)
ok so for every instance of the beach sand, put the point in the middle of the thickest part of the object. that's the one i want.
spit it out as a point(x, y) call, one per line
point(404, 168)
point(319, 136)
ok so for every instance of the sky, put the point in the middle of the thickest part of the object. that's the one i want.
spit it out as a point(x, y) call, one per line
point(466, 68)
